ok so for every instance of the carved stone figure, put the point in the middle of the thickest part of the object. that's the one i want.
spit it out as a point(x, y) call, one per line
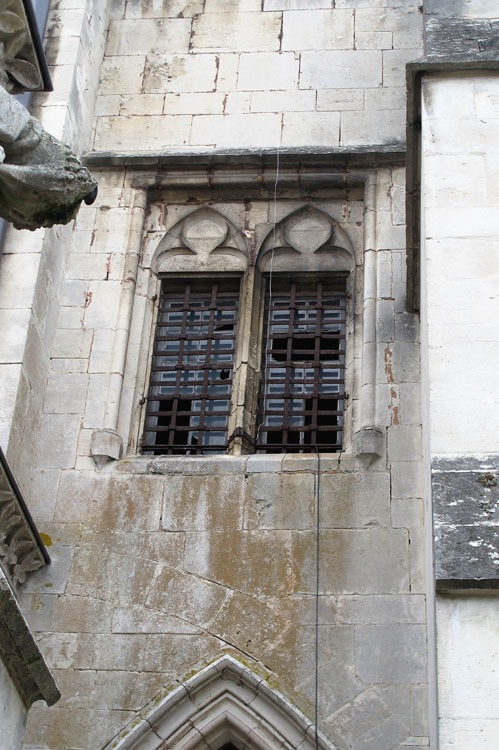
point(41, 181)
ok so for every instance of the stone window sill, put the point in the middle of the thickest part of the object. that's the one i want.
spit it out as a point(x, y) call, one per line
point(203, 465)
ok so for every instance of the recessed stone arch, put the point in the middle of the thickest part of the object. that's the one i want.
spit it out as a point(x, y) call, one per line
point(225, 702)
point(203, 241)
point(306, 240)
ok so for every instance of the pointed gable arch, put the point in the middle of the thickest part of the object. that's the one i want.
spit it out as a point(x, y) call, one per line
point(203, 241)
point(307, 240)
point(224, 703)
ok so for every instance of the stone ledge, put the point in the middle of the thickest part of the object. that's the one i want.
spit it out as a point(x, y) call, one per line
point(246, 159)
point(257, 463)
point(21, 655)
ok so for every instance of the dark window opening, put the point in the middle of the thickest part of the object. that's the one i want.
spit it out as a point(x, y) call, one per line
point(302, 387)
point(190, 389)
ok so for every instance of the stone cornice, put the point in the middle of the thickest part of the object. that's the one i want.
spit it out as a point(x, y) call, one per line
point(21, 549)
point(22, 62)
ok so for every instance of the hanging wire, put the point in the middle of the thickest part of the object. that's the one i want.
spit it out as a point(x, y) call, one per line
point(269, 315)
point(317, 494)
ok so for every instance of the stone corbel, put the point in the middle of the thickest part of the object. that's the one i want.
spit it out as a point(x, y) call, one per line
point(21, 549)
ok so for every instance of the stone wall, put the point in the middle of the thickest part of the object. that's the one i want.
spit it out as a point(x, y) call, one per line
point(161, 565)
point(32, 263)
point(196, 76)
point(459, 277)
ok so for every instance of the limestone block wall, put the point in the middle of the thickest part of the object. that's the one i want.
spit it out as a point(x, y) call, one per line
point(159, 565)
point(203, 75)
point(460, 299)
point(163, 564)
point(32, 263)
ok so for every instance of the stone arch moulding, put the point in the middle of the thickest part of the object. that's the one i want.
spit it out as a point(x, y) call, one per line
point(224, 702)
point(203, 241)
point(306, 240)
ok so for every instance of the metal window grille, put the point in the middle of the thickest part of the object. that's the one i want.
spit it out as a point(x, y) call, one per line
point(190, 388)
point(302, 387)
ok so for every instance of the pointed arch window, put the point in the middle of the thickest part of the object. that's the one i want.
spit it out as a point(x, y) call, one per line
point(249, 352)
point(302, 384)
point(190, 391)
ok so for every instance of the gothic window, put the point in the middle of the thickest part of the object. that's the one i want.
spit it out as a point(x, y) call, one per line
point(190, 389)
point(249, 347)
point(302, 384)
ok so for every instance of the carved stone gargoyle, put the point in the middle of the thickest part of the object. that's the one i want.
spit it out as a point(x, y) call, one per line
point(42, 182)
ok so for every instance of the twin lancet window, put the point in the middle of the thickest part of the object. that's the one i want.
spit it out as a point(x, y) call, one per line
point(297, 392)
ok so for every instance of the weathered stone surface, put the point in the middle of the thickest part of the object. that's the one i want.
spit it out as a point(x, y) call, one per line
point(195, 503)
point(388, 653)
point(236, 32)
point(257, 563)
point(466, 514)
point(318, 30)
point(110, 504)
point(344, 561)
point(354, 501)
point(279, 501)
point(185, 596)
point(132, 37)
point(342, 69)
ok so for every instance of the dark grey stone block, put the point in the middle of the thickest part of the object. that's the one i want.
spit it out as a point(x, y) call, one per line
point(465, 497)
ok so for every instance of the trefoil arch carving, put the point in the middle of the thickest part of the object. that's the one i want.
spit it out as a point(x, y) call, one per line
point(307, 240)
point(203, 241)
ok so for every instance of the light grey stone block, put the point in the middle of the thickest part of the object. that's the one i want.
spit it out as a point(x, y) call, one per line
point(195, 503)
point(157, 9)
point(236, 32)
point(391, 653)
point(386, 734)
point(311, 129)
point(132, 133)
point(277, 501)
point(14, 325)
point(142, 36)
point(373, 39)
point(343, 69)
point(340, 99)
point(355, 500)
point(394, 62)
point(318, 30)
point(236, 131)
point(179, 73)
point(405, 361)
point(66, 393)
point(123, 74)
point(73, 344)
point(59, 437)
point(407, 479)
point(404, 443)
point(51, 578)
point(268, 71)
point(346, 563)
point(381, 609)
point(358, 128)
